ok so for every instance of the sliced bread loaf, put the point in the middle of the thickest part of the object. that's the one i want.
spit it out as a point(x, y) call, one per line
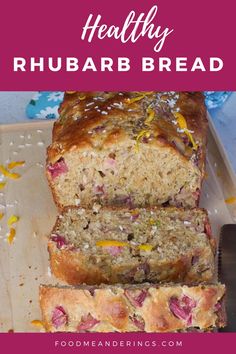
point(133, 148)
point(145, 308)
point(111, 245)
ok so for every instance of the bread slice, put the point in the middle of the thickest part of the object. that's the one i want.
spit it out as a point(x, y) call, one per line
point(127, 308)
point(119, 245)
point(128, 148)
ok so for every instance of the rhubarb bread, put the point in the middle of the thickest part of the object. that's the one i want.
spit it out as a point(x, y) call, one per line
point(137, 308)
point(133, 148)
point(119, 245)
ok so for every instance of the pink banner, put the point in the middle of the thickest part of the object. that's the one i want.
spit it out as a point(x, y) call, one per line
point(193, 343)
point(104, 45)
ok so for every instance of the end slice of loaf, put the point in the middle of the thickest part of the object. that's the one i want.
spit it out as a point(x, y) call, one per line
point(119, 245)
point(126, 308)
point(133, 148)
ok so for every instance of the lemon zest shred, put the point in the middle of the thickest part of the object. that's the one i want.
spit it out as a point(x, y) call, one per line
point(70, 92)
point(14, 164)
point(12, 220)
point(38, 323)
point(11, 235)
point(6, 173)
point(134, 212)
point(1, 216)
point(148, 93)
point(230, 200)
point(150, 117)
point(145, 247)
point(139, 97)
point(144, 133)
point(154, 222)
point(181, 120)
point(82, 98)
point(191, 139)
point(135, 99)
point(111, 243)
point(2, 185)
point(183, 125)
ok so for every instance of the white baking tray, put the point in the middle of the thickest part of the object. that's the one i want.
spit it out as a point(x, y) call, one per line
point(24, 264)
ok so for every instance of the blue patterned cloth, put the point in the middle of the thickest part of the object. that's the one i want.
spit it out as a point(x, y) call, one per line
point(44, 104)
point(215, 99)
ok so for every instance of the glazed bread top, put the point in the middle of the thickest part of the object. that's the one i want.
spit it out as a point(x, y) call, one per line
point(97, 120)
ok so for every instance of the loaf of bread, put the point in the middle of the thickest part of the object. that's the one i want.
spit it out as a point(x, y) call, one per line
point(128, 148)
point(127, 308)
point(119, 245)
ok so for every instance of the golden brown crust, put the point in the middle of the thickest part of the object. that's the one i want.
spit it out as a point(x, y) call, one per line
point(82, 112)
point(71, 267)
point(146, 307)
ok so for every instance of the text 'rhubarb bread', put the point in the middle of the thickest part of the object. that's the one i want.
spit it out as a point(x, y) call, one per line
point(127, 308)
point(133, 148)
point(113, 245)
